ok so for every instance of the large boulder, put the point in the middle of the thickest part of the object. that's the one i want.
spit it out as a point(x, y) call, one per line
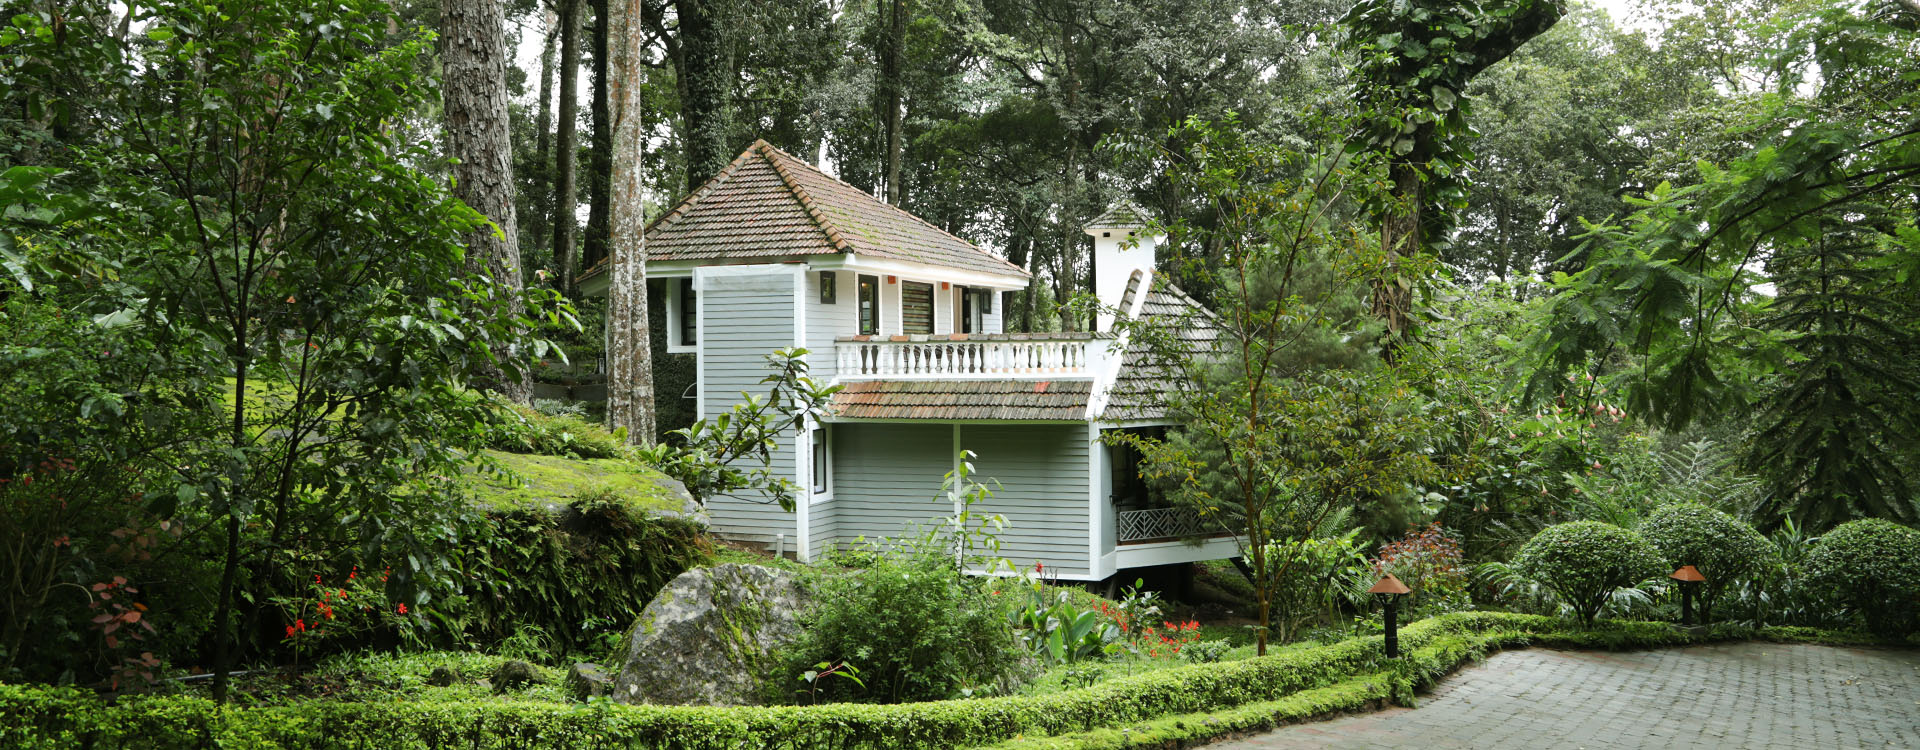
point(705, 639)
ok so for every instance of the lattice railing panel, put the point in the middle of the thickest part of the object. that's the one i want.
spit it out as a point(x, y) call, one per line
point(1158, 523)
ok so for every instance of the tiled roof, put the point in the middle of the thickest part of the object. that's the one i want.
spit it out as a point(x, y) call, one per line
point(1139, 390)
point(963, 399)
point(1123, 214)
point(769, 205)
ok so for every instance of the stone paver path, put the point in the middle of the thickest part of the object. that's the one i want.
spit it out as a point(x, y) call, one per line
point(1746, 695)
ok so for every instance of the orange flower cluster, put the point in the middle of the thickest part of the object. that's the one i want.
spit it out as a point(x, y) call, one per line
point(1170, 637)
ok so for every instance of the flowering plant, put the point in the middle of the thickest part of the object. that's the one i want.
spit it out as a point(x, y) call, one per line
point(348, 609)
point(1429, 562)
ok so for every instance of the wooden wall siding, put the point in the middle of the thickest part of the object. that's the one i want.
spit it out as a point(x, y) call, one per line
point(824, 527)
point(824, 322)
point(747, 317)
point(1043, 474)
point(991, 322)
point(887, 476)
point(916, 307)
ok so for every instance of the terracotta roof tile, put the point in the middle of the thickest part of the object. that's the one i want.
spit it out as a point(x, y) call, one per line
point(1139, 389)
point(963, 399)
point(767, 204)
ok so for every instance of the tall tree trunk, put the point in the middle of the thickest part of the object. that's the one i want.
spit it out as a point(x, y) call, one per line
point(1400, 236)
point(706, 76)
point(565, 149)
point(542, 203)
point(630, 402)
point(600, 160)
point(1018, 250)
point(473, 54)
point(890, 86)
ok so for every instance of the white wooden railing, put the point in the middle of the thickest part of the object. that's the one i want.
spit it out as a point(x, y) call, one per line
point(868, 360)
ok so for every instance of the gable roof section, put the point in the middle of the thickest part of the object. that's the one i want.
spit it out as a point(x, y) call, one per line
point(767, 204)
point(963, 399)
point(1139, 389)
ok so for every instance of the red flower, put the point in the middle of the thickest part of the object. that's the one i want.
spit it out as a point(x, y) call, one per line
point(402, 609)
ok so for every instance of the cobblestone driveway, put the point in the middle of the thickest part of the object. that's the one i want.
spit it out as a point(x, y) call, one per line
point(1729, 696)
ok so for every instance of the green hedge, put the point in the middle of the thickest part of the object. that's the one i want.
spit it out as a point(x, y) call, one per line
point(38, 717)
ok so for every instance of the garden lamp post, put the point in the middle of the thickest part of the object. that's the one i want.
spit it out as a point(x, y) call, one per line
point(1389, 590)
point(1689, 578)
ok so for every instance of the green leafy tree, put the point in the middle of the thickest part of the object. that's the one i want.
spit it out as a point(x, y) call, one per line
point(1415, 59)
point(275, 235)
point(1780, 281)
point(1286, 414)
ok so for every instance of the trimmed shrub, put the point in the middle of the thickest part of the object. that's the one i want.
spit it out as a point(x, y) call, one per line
point(1871, 568)
point(1724, 549)
point(1584, 562)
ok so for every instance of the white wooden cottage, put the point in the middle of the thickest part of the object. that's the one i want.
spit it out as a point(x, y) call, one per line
point(774, 253)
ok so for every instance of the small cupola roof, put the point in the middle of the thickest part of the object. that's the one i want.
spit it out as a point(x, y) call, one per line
point(1123, 214)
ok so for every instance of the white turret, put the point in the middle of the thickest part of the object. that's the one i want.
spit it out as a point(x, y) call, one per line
point(1122, 244)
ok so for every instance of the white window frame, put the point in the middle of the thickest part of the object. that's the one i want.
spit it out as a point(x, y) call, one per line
point(820, 452)
point(676, 307)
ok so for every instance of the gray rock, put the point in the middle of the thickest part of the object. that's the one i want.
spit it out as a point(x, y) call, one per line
point(443, 676)
point(514, 675)
point(705, 639)
point(587, 680)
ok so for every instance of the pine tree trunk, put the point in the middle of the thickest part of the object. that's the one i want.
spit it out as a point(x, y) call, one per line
point(600, 160)
point(565, 148)
point(630, 403)
point(890, 74)
point(706, 75)
point(473, 54)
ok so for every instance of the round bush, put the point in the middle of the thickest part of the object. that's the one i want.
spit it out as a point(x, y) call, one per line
point(1870, 568)
point(1724, 549)
point(1583, 562)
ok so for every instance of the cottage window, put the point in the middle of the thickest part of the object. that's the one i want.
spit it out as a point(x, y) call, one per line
point(689, 315)
point(869, 305)
point(916, 307)
point(966, 311)
point(822, 462)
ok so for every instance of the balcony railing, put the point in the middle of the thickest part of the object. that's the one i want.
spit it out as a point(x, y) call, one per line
point(1156, 524)
point(951, 357)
